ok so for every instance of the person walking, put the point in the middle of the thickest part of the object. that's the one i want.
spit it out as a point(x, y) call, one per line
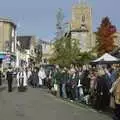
point(0, 78)
point(35, 78)
point(9, 78)
point(64, 78)
point(42, 77)
point(22, 80)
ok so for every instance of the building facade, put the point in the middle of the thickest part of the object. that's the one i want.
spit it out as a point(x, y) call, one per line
point(47, 50)
point(26, 50)
point(7, 40)
point(81, 26)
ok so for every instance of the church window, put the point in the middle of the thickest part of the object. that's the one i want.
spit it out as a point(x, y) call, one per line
point(83, 18)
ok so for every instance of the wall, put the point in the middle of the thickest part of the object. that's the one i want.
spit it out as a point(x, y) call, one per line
point(7, 34)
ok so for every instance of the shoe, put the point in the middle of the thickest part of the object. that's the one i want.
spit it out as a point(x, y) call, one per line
point(10, 91)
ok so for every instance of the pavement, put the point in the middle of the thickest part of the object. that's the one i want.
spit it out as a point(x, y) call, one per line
point(38, 104)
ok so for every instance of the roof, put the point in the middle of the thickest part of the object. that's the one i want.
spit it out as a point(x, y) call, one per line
point(25, 41)
point(45, 42)
point(106, 57)
point(7, 20)
point(82, 3)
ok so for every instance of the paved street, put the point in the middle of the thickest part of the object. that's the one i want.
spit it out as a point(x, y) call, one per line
point(36, 104)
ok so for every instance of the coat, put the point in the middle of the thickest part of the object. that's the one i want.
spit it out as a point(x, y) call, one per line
point(116, 90)
point(57, 77)
point(64, 77)
point(34, 78)
point(9, 75)
point(41, 75)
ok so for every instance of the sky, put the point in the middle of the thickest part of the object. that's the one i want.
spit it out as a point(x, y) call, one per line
point(38, 17)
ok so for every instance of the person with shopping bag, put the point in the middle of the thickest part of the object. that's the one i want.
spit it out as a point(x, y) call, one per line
point(56, 82)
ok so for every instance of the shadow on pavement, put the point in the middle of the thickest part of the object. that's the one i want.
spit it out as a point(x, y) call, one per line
point(2, 88)
point(14, 88)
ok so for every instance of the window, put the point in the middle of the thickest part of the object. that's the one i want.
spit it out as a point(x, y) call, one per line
point(83, 18)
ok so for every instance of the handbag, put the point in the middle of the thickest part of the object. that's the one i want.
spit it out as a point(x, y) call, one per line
point(55, 87)
point(81, 91)
point(79, 83)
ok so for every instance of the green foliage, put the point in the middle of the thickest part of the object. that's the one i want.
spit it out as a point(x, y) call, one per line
point(67, 52)
point(86, 57)
point(38, 51)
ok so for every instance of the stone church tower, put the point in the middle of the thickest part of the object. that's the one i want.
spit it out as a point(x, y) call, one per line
point(81, 26)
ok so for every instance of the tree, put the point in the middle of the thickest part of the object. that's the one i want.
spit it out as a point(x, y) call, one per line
point(66, 51)
point(38, 51)
point(105, 36)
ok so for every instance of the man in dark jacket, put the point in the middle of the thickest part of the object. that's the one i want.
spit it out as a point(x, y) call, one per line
point(35, 78)
point(0, 78)
point(9, 79)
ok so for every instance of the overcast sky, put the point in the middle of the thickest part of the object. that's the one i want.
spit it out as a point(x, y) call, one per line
point(38, 17)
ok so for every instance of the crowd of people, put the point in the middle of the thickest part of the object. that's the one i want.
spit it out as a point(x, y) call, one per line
point(95, 86)
point(24, 77)
point(98, 86)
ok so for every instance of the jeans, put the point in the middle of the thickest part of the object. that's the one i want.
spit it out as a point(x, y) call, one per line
point(64, 90)
point(77, 93)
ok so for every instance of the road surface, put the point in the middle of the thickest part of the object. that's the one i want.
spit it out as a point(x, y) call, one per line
point(37, 104)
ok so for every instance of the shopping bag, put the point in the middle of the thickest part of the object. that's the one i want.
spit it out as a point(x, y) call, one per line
point(112, 102)
point(40, 81)
point(79, 83)
point(81, 91)
point(55, 87)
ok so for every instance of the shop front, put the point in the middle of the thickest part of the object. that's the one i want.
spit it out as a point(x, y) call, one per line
point(7, 60)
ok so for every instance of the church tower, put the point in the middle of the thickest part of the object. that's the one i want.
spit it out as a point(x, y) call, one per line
point(81, 25)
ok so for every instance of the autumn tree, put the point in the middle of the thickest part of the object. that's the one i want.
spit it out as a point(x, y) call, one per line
point(105, 36)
